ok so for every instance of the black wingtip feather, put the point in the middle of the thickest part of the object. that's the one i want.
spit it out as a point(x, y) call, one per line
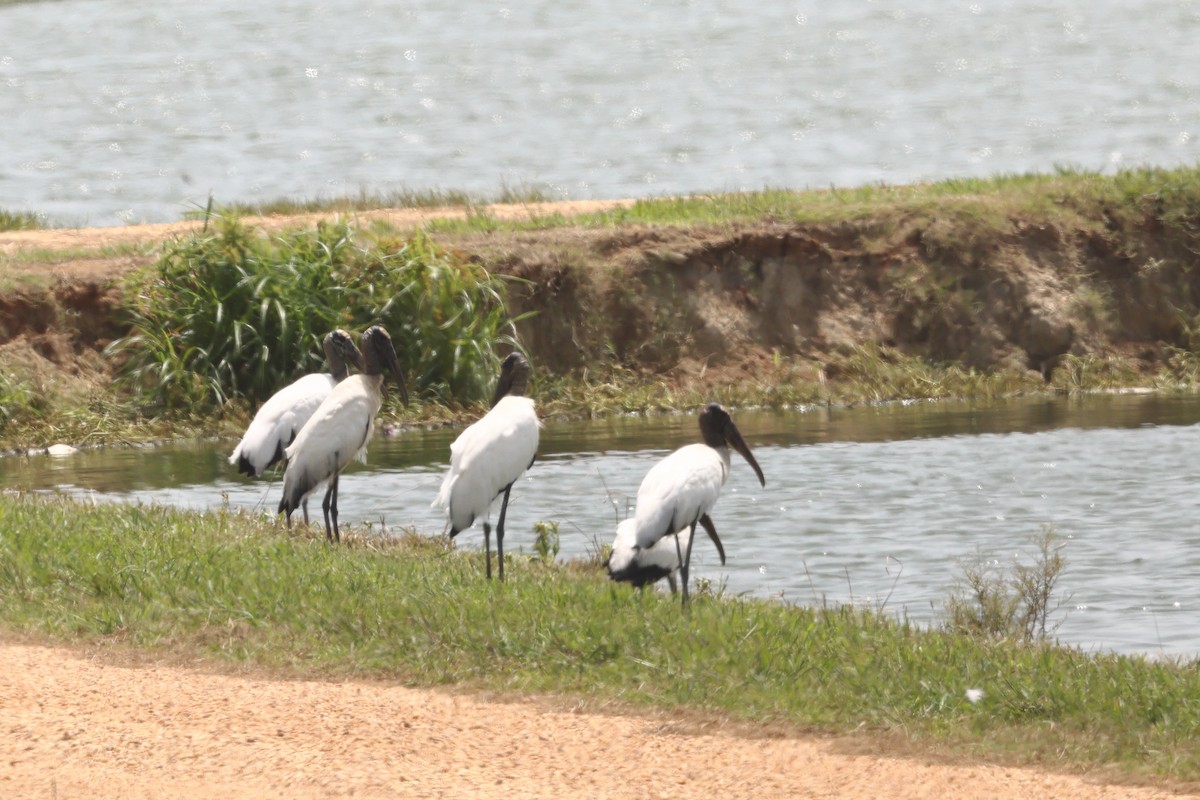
point(291, 500)
point(277, 456)
point(637, 575)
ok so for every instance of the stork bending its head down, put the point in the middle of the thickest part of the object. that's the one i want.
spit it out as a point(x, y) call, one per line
point(642, 567)
point(679, 491)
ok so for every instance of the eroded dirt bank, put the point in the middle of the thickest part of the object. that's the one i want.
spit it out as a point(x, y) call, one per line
point(710, 303)
point(77, 725)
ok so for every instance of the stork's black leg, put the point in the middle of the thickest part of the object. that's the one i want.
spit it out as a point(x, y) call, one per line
point(678, 560)
point(333, 510)
point(671, 577)
point(325, 510)
point(686, 562)
point(500, 531)
point(487, 547)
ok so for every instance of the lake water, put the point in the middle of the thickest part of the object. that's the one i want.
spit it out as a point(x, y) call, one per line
point(873, 505)
point(121, 112)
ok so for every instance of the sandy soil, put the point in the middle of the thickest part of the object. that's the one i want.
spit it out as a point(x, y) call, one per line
point(79, 725)
point(100, 268)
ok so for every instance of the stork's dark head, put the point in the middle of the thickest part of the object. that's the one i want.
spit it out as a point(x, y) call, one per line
point(718, 430)
point(514, 378)
point(378, 353)
point(341, 353)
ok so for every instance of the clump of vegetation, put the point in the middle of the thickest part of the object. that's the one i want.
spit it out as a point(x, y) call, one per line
point(1015, 603)
point(20, 402)
point(230, 313)
point(876, 372)
point(868, 373)
point(546, 540)
point(1093, 371)
point(20, 221)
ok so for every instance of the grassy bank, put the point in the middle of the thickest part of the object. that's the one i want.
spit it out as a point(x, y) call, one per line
point(238, 590)
point(981, 288)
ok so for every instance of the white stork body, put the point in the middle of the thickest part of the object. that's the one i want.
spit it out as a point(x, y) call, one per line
point(489, 456)
point(486, 458)
point(276, 424)
point(679, 491)
point(338, 432)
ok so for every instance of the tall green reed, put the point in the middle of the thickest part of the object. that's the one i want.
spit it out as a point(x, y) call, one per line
point(20, 401)
point(20, 221)
point(232, 313)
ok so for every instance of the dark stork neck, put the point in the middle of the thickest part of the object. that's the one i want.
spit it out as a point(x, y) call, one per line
point(713, 422)
point(341, 353)
point(515, 374)
point(379, 355)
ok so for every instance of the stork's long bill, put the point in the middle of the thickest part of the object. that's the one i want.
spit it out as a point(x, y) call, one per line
point(719, 430)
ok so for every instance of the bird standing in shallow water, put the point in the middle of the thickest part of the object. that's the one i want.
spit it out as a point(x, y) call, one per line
point(488, 457)
point(679, 491)
point(276, 424)
point(339, 430)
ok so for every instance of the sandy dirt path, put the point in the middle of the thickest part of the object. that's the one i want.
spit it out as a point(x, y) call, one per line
point(79, 263)
point(80, 726)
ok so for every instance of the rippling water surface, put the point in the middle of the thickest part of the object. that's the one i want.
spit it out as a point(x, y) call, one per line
point(873, 505)
point(116, 112)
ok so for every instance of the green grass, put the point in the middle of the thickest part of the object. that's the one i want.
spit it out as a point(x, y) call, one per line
point(21, 402)
point(134, 250)
point(231, 313)
point(20, 221)
point(1065, 196)
point(237, 589)
point(867, 374)
point(369, 201)
point(364, 201)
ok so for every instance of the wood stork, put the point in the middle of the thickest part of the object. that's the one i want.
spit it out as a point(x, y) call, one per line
point(339, 430)
point(488, 457)
point(284, 414)
point(642, 567)
point(682, 488)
